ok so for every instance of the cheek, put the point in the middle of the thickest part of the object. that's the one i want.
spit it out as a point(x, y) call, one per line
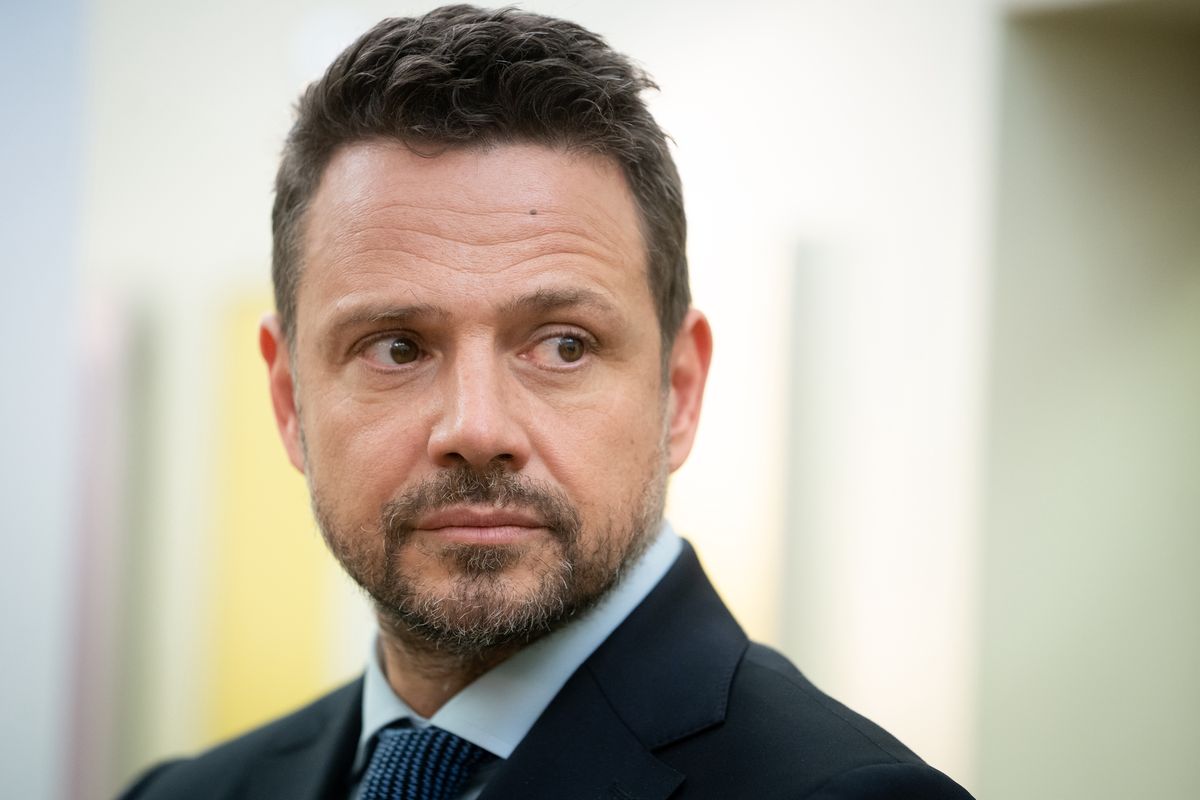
point(363, 449)
point(604, 450)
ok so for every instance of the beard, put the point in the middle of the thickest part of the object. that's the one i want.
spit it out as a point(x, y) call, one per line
point(481, 608)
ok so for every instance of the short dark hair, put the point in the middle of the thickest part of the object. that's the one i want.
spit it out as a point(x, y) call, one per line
point(466, 76)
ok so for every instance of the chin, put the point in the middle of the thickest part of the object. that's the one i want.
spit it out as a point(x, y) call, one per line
point(492, 599)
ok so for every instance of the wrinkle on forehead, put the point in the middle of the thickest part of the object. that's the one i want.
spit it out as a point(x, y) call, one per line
point(451, 249)
point(486, 204)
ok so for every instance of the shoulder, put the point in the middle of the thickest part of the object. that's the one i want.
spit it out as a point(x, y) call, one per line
point(771, 698)
point(783, 737)
point(224, 770)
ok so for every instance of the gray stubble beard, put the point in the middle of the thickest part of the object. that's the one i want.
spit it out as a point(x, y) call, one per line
point(481, 613)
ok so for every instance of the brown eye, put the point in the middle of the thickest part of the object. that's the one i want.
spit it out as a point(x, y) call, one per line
point(570, 348)
point(403, 351)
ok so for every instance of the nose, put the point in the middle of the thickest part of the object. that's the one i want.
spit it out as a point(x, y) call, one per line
point(477, 424)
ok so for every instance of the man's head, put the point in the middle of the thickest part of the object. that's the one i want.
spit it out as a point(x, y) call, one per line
point(483, 359)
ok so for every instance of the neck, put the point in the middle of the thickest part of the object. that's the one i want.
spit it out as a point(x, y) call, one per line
point(425, 677)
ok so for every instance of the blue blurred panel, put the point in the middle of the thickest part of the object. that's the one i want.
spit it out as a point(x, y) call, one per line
point(41, 94)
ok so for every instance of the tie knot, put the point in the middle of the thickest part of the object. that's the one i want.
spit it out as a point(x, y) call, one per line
point(420, 764)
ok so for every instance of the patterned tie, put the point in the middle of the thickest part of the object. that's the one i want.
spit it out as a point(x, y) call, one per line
point(420, 764)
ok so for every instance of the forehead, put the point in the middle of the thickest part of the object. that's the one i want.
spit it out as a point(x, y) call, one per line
point(514, 176)
point(470, 213)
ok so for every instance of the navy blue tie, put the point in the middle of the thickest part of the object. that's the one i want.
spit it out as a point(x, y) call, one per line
point(420, 764)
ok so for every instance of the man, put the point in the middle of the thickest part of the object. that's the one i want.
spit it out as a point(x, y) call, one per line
point(485, 364)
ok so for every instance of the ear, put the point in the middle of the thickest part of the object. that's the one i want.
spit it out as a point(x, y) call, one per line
point(275, 352)
point(687, 372)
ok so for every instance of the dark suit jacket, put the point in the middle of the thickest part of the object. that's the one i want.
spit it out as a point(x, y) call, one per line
point(676, 703)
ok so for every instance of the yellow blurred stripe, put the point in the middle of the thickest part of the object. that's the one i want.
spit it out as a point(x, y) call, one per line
point(273, 580)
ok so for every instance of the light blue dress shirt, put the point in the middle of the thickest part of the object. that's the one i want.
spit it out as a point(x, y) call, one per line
point(497, 709)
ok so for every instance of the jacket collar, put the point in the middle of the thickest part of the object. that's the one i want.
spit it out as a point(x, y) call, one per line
point(312, 762)
point(664, 674)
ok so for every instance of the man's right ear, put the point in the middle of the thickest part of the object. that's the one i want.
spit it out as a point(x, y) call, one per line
point(274, 349)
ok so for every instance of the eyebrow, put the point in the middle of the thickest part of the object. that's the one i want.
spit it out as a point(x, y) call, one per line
point(371, 316)
point(541, 301)
point(547, 300)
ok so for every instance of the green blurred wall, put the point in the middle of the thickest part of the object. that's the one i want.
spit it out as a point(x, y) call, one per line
point(1091, 652)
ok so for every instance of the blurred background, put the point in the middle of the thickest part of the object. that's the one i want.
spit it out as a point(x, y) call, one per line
point(950, 459)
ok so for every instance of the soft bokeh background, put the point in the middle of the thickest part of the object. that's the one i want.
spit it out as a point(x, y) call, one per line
point(950, 461)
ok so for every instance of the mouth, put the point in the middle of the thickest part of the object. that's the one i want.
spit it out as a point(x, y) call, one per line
point(481, 525)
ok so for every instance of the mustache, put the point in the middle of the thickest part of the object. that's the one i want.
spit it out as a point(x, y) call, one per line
point(465, 485)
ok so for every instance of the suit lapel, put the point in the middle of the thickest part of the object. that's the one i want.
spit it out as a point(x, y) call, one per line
point(580, 748)
point(662, 675)
point(667, 669)
point(314, 761)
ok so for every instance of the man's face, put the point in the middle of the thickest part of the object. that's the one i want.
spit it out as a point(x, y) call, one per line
point(476, 392)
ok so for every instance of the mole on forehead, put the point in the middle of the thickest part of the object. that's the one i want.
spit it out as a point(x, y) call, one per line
point(357, 206)
point(402, 224)
point(472, 176)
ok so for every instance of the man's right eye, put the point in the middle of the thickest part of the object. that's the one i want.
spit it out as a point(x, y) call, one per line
point(403, 351)
point(387, 351)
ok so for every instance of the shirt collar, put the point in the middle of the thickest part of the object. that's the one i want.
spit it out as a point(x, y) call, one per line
point(497, 709)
